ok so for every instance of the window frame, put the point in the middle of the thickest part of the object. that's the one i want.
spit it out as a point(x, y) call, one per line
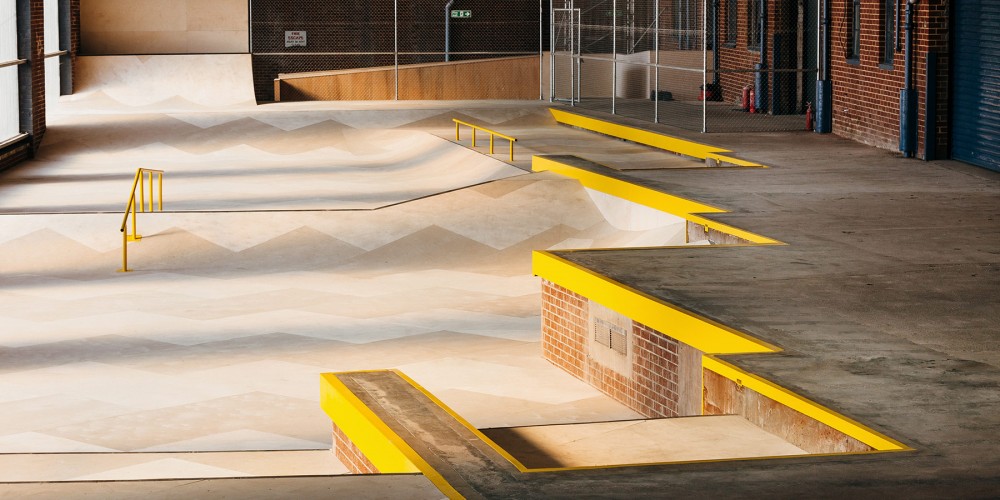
point(853, 48)
point(890, 32)
point(732, 23)
point(753, 24)
point(10, 60)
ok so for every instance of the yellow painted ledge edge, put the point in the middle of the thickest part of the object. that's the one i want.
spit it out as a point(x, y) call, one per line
point(458, 418)
point(811, 409)
point(708, 336)
point(651, 198)
point(523, 468)
point(528, 470)
point(697, 331)
point(648, 138)
point(388, 452)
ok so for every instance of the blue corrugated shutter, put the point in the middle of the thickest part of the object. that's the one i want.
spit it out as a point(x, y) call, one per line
point(975, 114)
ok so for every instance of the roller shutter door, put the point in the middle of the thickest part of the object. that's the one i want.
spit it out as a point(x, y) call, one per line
point(976, 83)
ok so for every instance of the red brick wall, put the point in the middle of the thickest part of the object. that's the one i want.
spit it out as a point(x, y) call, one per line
point(653, 389)
point(74, 42)
point(564, 327)
point(37, 62)
point(782, 19)
point(350, 455)
point(740, 56)
point(865, 96)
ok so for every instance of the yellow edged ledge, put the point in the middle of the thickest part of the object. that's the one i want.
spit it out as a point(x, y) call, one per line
point(388, 452)
point(458, 418)
point(858, 431)
point(692, 329)
point(651, 198)
point(811, 409)
point(647, 138)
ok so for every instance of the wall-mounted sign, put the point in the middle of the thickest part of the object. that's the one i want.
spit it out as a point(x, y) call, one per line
point(461, 13)
point(295, 39)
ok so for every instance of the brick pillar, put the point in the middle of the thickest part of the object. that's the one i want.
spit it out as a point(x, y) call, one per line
point(31, 76)
point(74, 37)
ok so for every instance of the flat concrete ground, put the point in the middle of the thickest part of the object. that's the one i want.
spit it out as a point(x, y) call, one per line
point(884, 300)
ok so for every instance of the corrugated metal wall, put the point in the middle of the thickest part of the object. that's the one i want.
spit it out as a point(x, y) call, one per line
point(976, 83)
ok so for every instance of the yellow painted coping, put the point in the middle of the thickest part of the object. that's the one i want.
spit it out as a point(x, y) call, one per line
point(703, 334)
point(651, 198)
point(692, 329)
point(520, 466)
point(517, 463)
point(858, 431)
point(648, 138)
point(709, 337)
point(388, 452)
point(811, 409)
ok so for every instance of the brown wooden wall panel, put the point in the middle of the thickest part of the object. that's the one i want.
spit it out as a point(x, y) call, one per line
point(503, 78)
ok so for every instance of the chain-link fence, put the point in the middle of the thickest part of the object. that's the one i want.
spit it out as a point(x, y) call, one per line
point(704, 65)
point(393, 49)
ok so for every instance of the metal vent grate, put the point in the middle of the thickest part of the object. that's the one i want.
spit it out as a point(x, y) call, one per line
point(610, 338)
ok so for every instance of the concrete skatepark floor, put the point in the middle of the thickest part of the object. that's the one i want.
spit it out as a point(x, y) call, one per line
point(295, 241)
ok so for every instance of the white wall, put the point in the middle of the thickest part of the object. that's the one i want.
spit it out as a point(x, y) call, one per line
point(110, 27)
point(636, 80)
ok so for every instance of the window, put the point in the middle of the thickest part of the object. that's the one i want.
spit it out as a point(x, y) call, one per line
point(51, 46)
point(854, 31)
point(753, 24)
point(889, 17)
point(688, 22)
point(731, 20)
point(9, 108)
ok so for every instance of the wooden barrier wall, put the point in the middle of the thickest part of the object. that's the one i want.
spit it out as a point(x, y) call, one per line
point(503, 78)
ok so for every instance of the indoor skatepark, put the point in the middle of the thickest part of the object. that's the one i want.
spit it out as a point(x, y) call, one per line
point(845, 304)
point(823, 361)
point(292, 242)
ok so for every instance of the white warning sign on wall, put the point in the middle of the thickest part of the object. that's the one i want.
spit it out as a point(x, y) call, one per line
point(295, 39)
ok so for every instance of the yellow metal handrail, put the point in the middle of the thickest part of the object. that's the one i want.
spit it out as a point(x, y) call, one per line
point(131, 209)
point(491, 132)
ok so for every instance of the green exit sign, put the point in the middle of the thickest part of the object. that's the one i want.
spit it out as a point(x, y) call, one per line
point(461, 13)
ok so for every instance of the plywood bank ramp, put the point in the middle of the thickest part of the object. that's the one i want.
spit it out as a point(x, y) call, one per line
point(110, 84)
point(500, 78)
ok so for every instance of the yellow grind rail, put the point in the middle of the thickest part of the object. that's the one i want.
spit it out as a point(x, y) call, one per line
point(132, 209)
point(493, 133)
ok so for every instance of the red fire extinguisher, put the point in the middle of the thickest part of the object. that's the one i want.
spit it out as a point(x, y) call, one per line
point(809, 116)
point(746, 97)
point(753, 105)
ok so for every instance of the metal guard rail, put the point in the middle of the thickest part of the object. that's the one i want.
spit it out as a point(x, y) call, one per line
point(131, 209)
point(492, 133)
